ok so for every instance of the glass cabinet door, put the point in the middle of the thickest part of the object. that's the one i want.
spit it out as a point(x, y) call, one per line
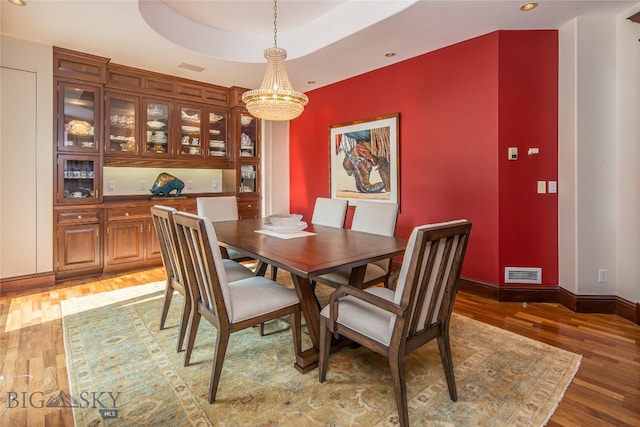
point(191, 142)
point(217, 137)
point(248, 178)
point(248, 135)
point(157, 127)
point(78, 117)
point(78, 179)
point(122, 135)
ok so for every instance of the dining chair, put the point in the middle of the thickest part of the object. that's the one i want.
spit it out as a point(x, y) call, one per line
point(370, 217)
point(228, 306)
point(222, 208)
point(328, 212)
point(163, 221)
point(396, 322)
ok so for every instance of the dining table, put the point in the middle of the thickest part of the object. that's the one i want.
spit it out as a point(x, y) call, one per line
point(305, 254)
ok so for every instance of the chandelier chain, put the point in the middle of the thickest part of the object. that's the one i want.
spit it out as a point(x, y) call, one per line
point(275, 23)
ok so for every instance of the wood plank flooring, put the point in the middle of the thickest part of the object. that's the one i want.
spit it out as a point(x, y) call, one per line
point(605, 391)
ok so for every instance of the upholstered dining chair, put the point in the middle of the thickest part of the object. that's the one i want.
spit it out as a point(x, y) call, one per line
point(163, 221)
point(396, 322)
point(228, 306)
point(329, 212)
point(223, 208)
point(370, 217)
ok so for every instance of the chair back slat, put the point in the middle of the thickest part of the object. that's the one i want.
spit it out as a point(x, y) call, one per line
point(377, 218)
point(165, 231)
point(429, 274)
point(205, 274)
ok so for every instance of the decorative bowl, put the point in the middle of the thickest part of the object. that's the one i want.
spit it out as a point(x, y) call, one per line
point(246, 120)
point(285, 220)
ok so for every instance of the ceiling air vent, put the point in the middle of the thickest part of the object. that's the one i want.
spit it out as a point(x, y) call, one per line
point(522, 275)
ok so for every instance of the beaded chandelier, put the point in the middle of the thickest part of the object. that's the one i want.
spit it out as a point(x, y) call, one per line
point(276, 99)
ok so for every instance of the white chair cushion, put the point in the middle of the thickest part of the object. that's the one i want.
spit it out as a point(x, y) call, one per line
point(224, 208)
point(329, 212)
point(341, 275)
point(236, 271)
point(257, 295)
point(375, 217)
point(364, 318)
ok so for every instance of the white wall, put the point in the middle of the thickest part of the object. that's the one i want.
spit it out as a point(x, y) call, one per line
point(598, 156)
point(27, 183)
point(275, 168)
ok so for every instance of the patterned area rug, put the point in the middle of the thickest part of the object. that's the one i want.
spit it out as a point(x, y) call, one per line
point(124, 371)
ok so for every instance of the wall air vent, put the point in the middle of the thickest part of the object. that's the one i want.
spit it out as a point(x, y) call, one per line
point(522, 275)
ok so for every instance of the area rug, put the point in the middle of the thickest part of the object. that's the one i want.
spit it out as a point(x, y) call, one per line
point(124, 371)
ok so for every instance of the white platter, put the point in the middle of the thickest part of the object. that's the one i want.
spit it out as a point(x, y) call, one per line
point(285, 228)
point(190, 129)
point(155, 124)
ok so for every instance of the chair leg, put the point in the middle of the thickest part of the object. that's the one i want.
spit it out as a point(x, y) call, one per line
point(193, 331)
point(222, 341)
point(168, 295)
point(184, 322)
point(295, 320)
point(396, 362)
point(447, 364)
point(325, 347)
point(274, 273)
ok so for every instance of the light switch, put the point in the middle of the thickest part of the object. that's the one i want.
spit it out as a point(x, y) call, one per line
point(542, 187)
point(513, 153)
point(552, 186)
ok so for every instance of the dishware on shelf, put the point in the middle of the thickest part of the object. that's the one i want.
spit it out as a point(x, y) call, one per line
point(190, 129)
point(246, 120)
point(155, 124)
point(214, 131)
point(79, 127)
point(194, 117)
point(194, 150)
point(213, 117)
point(185, 140)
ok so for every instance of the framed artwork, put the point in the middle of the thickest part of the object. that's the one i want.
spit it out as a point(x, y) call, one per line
point(364, 162)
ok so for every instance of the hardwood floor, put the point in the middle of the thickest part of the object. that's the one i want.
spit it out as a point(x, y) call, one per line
point(605, 391)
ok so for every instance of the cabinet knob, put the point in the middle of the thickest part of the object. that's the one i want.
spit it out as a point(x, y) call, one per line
point(249, 206)
point(126, 214)
point(79, 216)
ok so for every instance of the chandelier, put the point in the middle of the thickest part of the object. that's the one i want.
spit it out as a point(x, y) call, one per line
point(276, 99)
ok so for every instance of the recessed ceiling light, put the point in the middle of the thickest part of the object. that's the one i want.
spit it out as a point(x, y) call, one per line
point(390, 54)
point(311, 82)
point(528, 6)
point(18, 2)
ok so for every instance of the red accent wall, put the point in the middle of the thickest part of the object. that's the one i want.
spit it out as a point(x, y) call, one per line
point(459, 108)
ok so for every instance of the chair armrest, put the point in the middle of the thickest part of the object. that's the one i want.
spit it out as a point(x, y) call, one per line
point(372, 299)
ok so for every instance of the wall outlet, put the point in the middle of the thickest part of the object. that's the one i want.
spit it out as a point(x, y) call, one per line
point(189, 185)
point(111, 186)
point(603, 275)
point(214, 184)
point(143, 185)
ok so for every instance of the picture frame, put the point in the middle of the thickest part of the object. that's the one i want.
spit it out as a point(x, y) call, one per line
point(364, 160)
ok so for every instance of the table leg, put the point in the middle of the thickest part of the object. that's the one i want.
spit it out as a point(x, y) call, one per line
point(308, 359)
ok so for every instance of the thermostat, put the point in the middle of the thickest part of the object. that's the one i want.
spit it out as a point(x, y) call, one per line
point(513, 153)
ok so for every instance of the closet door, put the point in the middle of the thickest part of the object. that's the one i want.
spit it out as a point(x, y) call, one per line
point(18, 172)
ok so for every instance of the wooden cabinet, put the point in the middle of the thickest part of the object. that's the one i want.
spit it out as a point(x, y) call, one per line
point(78, 116)
point(131, 240)
point(117, 116)
point(78, 179)
point(122, 136)
point(79, 242)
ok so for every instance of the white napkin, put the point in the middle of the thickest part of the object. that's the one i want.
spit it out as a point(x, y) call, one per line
point(293, 235)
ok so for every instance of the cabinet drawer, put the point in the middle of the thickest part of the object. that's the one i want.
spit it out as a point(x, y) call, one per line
point(84, 216)
point(117, 214)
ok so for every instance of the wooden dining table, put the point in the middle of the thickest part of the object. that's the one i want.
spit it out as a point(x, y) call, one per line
point(307, 257)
